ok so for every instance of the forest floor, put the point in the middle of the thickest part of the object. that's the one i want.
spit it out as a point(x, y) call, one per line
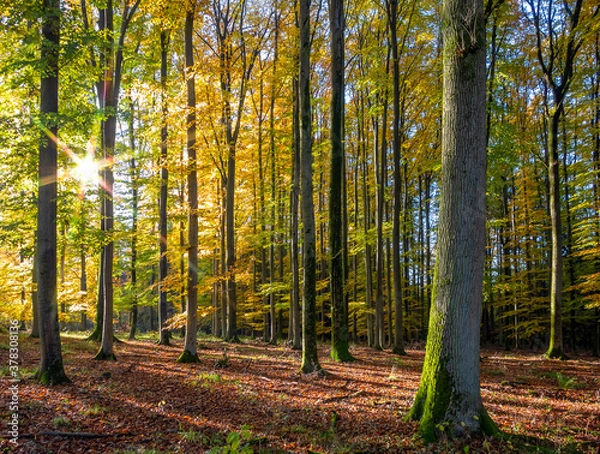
point(255, 399)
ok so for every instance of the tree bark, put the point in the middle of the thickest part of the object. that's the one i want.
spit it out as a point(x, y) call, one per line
point(134, 227)
point(163, 264)
point(339, 326)
point(190, 348)
point(310, 359)
point(51, 370)
point(449, 393)
point(294, 234)
point(108, 129)
point(398, 348)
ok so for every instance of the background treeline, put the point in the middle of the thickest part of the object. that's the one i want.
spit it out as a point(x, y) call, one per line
point(245, 78)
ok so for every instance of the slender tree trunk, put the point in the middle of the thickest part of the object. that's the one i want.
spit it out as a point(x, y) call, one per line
point(163, 263)
point(310, 359)
point(83, 279)
point(134, 248)
point(272, 158)
point(294, 236)
point(190, 348)
point(449, 393)
point(368, 255)
point(51, 370)
point(397, 270)
point(555, 349)
point(108, 130)
point(96, 334)
point(339, 326)
point(596, 159)
point(380, 155)
point(35, 322)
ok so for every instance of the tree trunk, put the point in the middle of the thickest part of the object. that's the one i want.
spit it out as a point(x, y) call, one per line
point(368, 255)
point(35, 322)
point(555, 349)
point(392, 6)
point(190, 348)
point(134, 228)
point(96, 334)
point(51, 370)
point(108, 130)
point(163, 264)
point(310, 359)
point(449, 393)
point(339, 326)
point(294, 234)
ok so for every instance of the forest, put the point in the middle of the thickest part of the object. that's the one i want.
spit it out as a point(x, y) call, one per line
point(300, 226)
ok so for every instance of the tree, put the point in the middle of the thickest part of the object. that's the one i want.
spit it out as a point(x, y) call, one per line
point(339, 322)
point(310, 358)
point(51, 369)
point(190, 348)
point(163, 264)
point(449, 391)
point(556, 57)
point(108, 95)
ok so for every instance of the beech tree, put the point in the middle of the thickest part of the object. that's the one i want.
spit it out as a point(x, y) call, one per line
point(339, 320)
point(164, 186)
point(190, 348)
point(449, 391)
point(51, 369)
point(557, 45)
point(310, 358)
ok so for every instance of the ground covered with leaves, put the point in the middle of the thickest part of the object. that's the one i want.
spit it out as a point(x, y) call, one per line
point(249, 397)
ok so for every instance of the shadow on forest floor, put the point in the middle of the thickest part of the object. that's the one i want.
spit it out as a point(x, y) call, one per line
point(251, 395)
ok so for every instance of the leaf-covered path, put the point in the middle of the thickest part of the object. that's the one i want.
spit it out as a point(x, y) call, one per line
point(251, 394)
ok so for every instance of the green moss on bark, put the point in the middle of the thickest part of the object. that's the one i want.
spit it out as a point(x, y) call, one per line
point(101, 356)
point(340, 352)
point(399, 351)
point(555, 353)
point(53, 375)
point(188, 357)
point(487, 426)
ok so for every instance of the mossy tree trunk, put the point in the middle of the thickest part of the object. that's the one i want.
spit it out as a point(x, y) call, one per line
point(190, 347)
point(449, 395)
point(51, 369)
point(310, 359)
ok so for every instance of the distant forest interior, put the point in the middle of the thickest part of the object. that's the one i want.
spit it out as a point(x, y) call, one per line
point(321, 178)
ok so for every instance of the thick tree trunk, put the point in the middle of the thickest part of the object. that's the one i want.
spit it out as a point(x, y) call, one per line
point(190, 348)
point(163, 264)
point(449, 393)
point(339, 326)
point(310, 359)
point(51, 369)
